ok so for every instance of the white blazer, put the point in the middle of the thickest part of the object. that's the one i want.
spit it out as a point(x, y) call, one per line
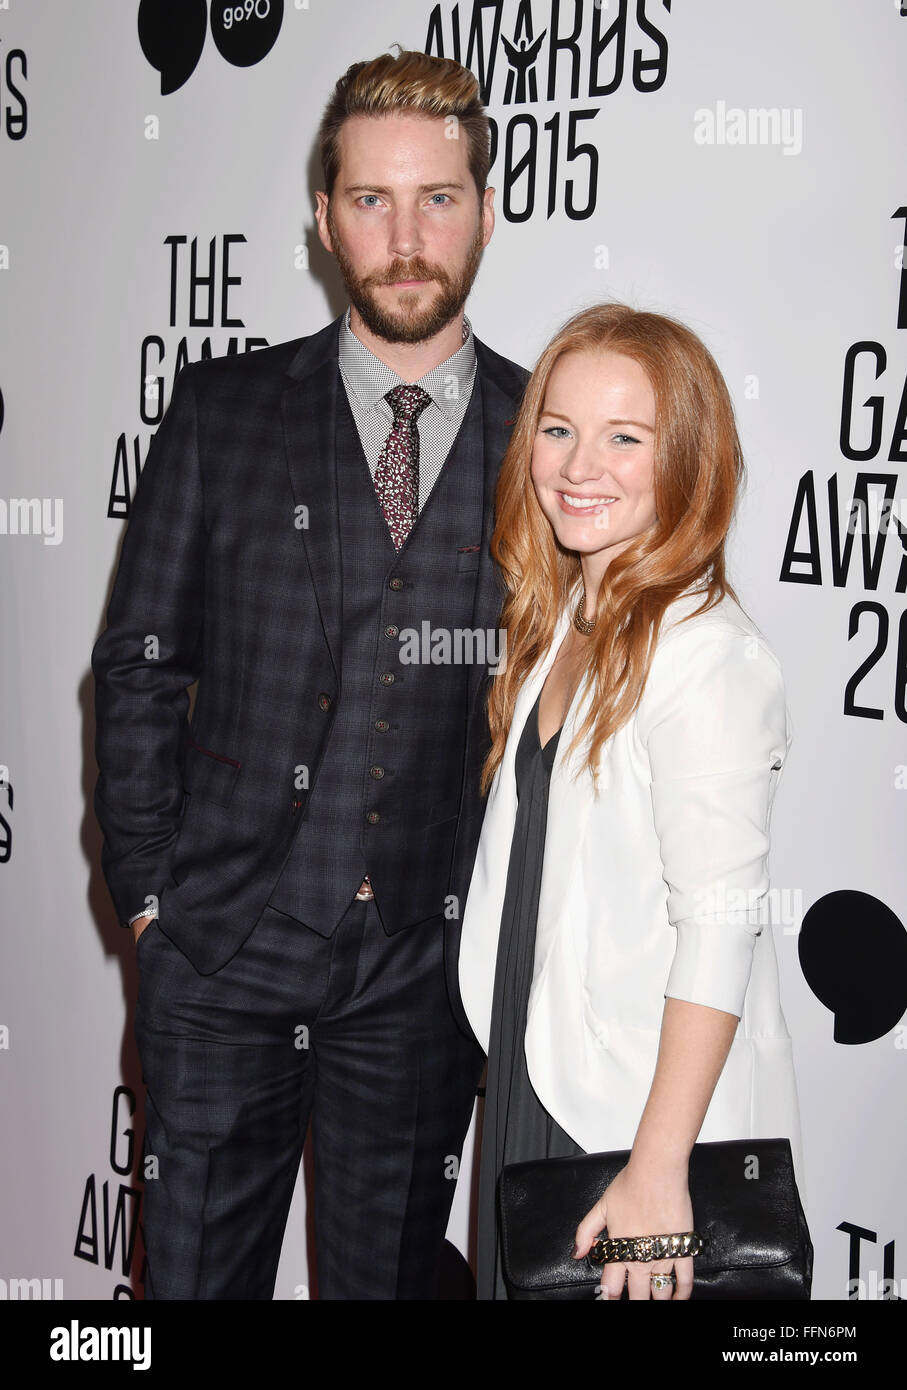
point(657, 888)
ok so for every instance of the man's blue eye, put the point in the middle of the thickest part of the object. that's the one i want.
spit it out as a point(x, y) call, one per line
point(440, 195)
point(370, 195)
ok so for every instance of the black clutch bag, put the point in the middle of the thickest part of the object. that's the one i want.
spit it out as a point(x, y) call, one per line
point(756, 1240)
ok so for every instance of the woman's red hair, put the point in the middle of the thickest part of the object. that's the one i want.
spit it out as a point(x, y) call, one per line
point(698, 470)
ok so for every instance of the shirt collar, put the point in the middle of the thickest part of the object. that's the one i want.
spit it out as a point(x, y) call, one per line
point(370, 378)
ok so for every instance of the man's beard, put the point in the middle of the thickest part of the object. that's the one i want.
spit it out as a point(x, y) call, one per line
point(408, 324)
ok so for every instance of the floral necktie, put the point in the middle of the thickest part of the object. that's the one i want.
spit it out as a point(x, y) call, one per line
point(397, 473)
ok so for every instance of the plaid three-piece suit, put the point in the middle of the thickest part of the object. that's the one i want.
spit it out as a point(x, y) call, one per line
point(258, 562)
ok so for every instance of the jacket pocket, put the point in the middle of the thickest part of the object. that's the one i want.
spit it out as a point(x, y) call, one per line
point(468, 560)
point(209, 775)
point(152, 925)
point(444, 810)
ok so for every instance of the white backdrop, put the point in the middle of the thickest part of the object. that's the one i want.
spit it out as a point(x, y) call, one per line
point(751, 191)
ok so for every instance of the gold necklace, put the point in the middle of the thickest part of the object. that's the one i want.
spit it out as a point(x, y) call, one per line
point(583, 625)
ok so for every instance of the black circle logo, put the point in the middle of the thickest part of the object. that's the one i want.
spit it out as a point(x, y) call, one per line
point(172, 34)
point(245, 31)
point(853, 953)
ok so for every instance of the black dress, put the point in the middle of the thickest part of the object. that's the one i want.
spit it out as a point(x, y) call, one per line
point(516, 1126)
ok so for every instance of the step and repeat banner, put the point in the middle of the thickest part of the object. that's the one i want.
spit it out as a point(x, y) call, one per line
point(739, 167)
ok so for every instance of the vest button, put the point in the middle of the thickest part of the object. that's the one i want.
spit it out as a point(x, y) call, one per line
point(376, 772)
point(324, 701)
point(395, 584)
point(386, 678)
point(373, 817)
point(391, 630)
point(382, 726)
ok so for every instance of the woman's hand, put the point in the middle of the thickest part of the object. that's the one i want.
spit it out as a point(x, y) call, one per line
point(640, 1202)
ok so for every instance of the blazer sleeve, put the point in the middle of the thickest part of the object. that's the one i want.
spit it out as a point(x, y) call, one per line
point(147, 657)
point(714, 723)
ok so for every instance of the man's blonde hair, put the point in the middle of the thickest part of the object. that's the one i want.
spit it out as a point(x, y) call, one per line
point(409, 82)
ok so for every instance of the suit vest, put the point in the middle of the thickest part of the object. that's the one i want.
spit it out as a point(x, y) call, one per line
point(394, 755)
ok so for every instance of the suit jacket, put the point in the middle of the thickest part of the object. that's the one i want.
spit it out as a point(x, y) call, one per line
point(656, 889)
point(222, 578)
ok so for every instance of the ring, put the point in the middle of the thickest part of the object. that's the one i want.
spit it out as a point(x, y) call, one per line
point(661, 1281)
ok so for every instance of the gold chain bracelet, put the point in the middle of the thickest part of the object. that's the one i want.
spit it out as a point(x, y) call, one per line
point(617, 1249)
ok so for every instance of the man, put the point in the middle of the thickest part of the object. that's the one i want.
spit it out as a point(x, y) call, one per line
point(286, 860)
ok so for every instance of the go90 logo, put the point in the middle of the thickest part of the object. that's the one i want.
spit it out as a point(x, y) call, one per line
point(172, 34)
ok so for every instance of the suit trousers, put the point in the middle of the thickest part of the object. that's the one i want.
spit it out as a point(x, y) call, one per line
point(351, 1032)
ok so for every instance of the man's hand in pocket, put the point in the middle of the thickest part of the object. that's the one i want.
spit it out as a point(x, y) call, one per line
point(139, 926)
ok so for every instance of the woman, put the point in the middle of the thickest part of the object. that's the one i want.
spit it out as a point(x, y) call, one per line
point(613, 959)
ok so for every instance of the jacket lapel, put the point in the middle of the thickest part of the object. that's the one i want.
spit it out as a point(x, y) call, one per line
point(570, 796)
point(525, 700)
point(498, 410)
point(309, 414)
point(487, 887)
